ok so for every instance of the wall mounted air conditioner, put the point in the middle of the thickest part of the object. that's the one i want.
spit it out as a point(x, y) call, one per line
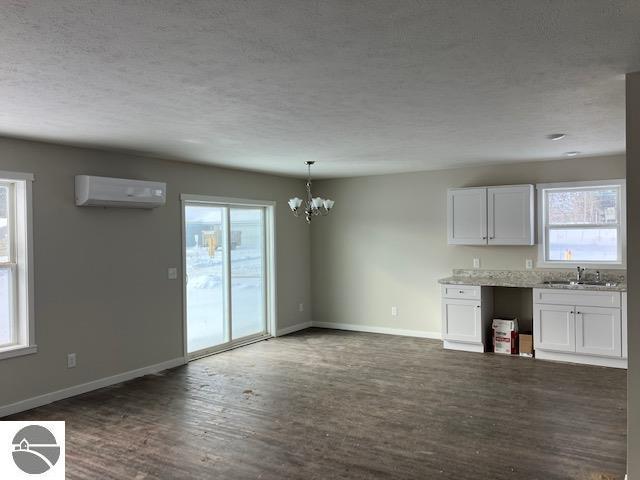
point(119, 192)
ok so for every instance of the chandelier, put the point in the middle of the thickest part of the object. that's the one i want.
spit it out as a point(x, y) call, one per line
point(312, 206)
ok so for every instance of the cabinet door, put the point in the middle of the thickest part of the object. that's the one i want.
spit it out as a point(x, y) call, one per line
point(554, 328)
point(461, 320)
point(467, 216)
point(510, 215)
point(598, 331)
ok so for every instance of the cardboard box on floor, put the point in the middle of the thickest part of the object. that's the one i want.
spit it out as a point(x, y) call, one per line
point(505, 335)
point(525, 344)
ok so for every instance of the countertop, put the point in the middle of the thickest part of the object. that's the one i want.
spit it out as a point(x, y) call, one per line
point(529, 279)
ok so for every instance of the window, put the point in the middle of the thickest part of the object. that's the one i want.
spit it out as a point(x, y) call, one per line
point(582, 224)
point(16, 274)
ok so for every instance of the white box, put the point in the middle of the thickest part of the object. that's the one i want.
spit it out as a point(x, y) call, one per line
point(505, 336)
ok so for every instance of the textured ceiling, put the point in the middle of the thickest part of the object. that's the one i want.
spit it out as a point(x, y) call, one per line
point(363, 87)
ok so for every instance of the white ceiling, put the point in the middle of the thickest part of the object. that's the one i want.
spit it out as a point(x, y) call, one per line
point(363, 87)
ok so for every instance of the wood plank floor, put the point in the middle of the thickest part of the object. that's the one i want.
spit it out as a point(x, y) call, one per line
point(325, 404)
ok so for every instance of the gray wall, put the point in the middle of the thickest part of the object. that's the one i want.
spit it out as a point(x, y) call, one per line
point(101, 287)
point(633, 262)
point(385, 243)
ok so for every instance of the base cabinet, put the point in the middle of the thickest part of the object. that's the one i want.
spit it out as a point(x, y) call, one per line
point(554, 328)
point(565, 330)
point(462, 321)
point(598, 331)
point(466, 313)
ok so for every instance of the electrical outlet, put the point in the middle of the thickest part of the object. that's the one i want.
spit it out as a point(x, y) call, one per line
point(394, 311)
point(528, 264)
point(172, 273)
point(71, 360)
point(476, 263)
point(301, 307)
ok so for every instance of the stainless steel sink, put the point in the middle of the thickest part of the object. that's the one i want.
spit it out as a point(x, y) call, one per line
point(600, 284)
point(586, 284)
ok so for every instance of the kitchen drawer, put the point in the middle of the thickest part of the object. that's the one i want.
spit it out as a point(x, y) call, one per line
point(470, 292)
point(589, 298)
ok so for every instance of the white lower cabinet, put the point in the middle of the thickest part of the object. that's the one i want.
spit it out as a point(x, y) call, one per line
point(567, 331)
point(461, 320)
point(598, 331)
point(554, 328)
point(465, 317)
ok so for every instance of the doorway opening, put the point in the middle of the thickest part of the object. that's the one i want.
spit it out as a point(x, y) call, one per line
point(229, 273)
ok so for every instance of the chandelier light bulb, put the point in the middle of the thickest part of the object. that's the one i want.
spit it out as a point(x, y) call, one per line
point(294, 203)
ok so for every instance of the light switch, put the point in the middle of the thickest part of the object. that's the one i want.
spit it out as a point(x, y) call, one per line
point(172, 273)
point(476, 263)
point(394, 311)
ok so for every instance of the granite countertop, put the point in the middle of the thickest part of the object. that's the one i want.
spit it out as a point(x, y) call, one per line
point(532, 279)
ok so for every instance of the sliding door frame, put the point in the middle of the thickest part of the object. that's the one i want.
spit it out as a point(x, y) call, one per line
point(269, 269)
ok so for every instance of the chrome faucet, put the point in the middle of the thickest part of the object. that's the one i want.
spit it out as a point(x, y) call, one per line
point(580, 274)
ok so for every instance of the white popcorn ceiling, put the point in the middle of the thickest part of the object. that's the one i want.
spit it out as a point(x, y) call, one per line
point(362, 87)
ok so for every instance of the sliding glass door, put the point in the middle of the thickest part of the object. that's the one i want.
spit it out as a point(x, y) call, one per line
point(205, 258)
point(248, 306)
point(226, 264)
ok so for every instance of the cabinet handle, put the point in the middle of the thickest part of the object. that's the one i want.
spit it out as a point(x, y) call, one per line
point(572, 311)
point(491, 238)
point(578, 313)
point(477, 306)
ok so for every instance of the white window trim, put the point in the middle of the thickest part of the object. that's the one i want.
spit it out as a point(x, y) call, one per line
point(25, 345)
point(542, 247)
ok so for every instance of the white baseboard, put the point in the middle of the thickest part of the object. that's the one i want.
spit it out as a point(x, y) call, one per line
point(40, 400)
point(582, 359)
point(293, 328)
point(373, 329)
point(464, 347)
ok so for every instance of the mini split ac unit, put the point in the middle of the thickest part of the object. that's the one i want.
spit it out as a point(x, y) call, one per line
point(119, 192)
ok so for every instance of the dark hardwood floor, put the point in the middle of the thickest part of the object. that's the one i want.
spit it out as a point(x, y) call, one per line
point(325, 404)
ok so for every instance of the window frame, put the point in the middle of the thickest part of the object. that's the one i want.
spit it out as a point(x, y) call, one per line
point(20, 264)
point(543, 227)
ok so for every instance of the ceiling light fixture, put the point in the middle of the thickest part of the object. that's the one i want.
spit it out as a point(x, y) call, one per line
point(572, 154)
point(313, 206)
point(556, 136)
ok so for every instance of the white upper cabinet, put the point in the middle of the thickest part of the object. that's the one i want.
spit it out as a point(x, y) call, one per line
point(510, 215)
point(491, 215)
point(467, 216)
